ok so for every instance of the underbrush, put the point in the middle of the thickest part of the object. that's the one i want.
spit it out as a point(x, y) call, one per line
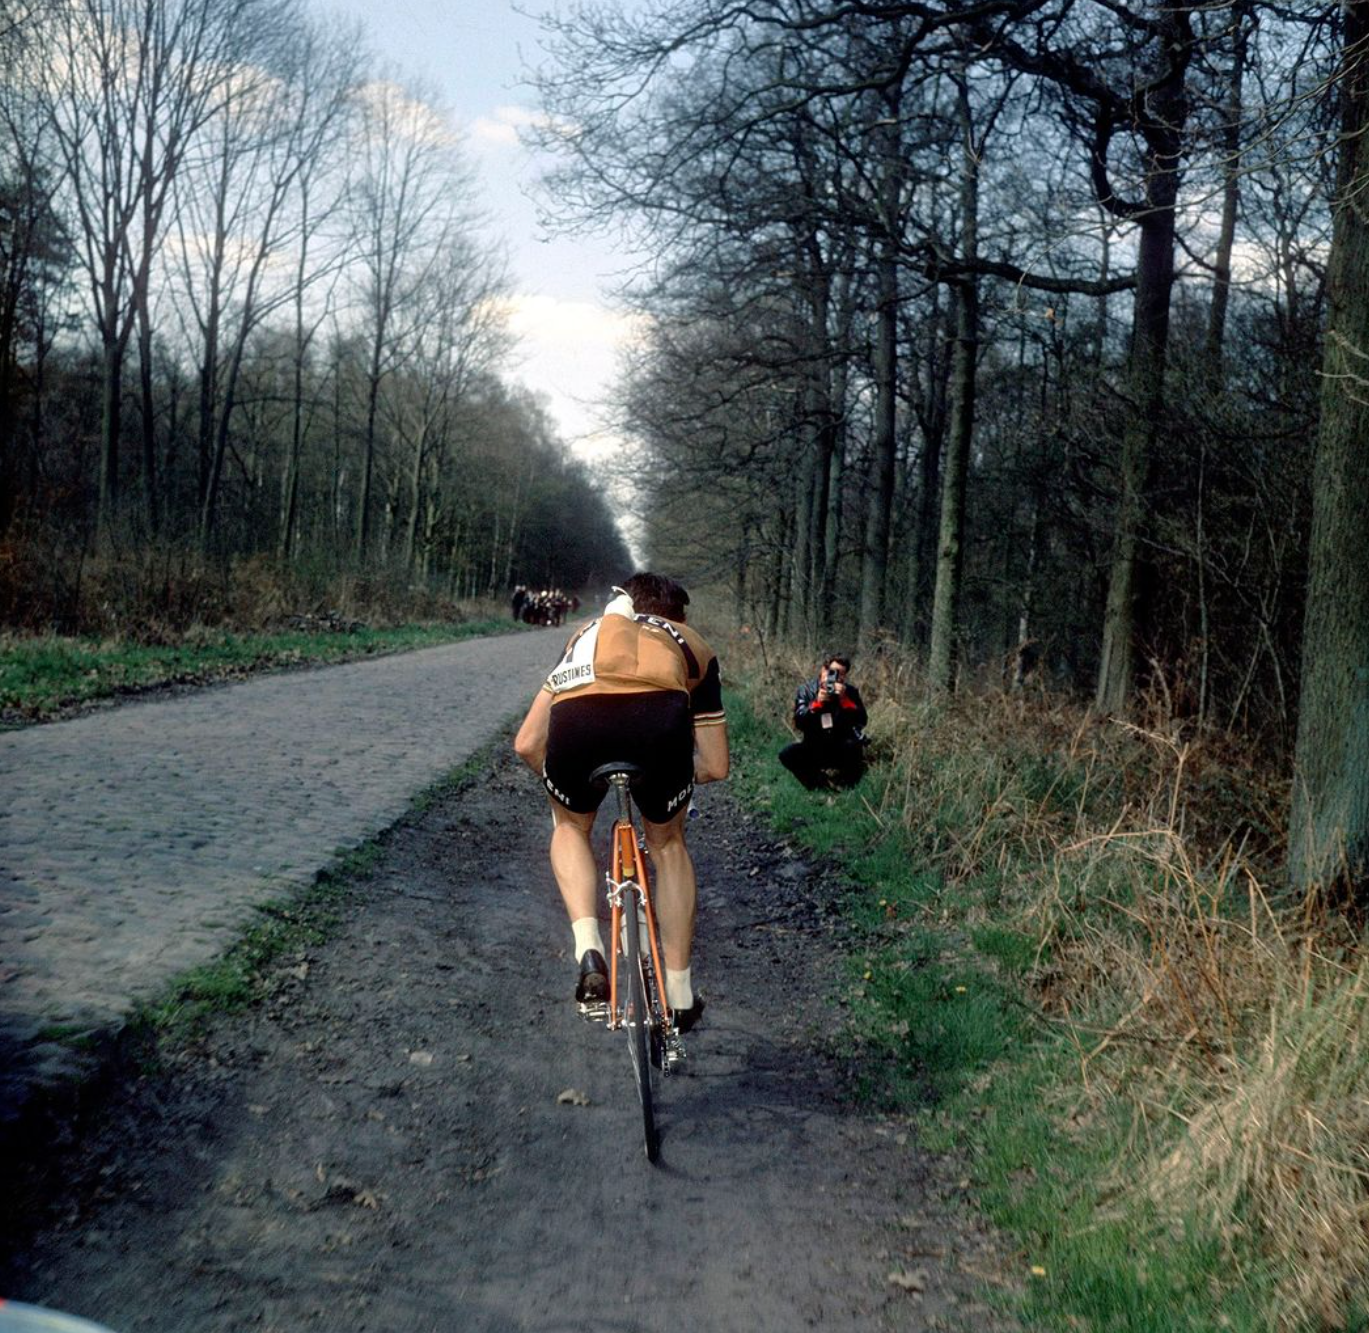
point(157, 591)
point(1080, 970)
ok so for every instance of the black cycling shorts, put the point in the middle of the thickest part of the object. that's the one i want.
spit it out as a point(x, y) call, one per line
point(653, 731)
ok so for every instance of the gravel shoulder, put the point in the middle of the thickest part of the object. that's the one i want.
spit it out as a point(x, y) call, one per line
point(384, 1144)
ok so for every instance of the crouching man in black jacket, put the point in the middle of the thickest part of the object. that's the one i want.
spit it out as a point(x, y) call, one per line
point(829, 716)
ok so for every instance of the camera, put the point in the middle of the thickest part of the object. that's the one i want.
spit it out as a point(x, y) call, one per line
point(832, 676)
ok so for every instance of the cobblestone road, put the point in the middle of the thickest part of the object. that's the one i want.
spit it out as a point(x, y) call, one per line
point(134, 842)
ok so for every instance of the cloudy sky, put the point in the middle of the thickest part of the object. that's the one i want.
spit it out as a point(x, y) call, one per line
point(472, 54)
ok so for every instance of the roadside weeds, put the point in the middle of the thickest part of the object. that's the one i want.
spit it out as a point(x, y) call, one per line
point(987, 1001)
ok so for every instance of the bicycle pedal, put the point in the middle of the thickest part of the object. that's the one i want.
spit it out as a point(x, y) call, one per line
point(593, 1011)
point(675, 1055)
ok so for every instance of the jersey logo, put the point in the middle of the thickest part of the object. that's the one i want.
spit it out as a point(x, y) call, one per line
point(691, 662)
point(577, 666)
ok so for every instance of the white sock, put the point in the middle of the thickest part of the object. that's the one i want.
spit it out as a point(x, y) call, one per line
point(587, 936)
point(678, 991)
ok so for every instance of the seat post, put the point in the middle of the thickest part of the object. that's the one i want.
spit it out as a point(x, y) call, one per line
point(620, 785)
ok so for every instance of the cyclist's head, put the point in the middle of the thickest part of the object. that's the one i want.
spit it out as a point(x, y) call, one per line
point(656, 595)
point(836, 660)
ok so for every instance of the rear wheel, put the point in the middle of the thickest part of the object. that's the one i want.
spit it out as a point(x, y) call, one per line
point(637, 1019)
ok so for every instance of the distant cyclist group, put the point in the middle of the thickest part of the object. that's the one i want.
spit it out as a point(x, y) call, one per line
point(542, 606)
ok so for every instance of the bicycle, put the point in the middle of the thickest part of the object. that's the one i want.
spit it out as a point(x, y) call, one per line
point(640, 1005)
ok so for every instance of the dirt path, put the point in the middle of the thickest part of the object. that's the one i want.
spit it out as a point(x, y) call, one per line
point(381, 1146)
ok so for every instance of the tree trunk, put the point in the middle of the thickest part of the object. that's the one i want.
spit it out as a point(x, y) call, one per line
point(880, 496)
point(1155, 275)
point(1231, 199)
point(801, 558)
point(9, 444)
point(1329, 829)
point(289, 509)
point(415, 498)
point(941, 661)
point(363, 536)
point(927, 486)
point(111, 401)
point(831, 535)
point(149, 418)
point(1146, 381)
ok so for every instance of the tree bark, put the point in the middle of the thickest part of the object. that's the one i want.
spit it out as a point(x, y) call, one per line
point(1231, 200)
point(884, 446)
point(1164, 135)
point(941, 661)
point(1329, 828)
point(148, 423)
point(111, 402)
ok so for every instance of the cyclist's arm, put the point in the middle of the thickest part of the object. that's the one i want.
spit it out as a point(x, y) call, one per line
point(712, 758)
point(531, 742)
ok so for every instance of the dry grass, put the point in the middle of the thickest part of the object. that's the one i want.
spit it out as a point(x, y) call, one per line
point(1147, 863)
point(1279, 1138)
point(160, 592)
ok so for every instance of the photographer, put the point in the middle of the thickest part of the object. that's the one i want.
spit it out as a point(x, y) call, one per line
point(828, 715)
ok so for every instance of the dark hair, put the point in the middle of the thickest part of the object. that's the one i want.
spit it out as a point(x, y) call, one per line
point(842, 658)
point(656, 595)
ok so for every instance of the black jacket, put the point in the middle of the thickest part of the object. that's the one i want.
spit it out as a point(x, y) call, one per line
point(847, 714)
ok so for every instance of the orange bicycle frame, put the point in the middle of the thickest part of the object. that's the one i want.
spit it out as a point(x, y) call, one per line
point(628, 865)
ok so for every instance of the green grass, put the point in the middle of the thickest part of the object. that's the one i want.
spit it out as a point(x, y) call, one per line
point(941, 1027)
point(40, 677)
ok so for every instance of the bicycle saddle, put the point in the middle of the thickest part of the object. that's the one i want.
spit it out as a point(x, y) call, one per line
point(601, 775)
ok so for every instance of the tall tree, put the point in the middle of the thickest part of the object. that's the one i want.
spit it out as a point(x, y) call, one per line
point(965, 296)
point(34, 247)
point(1329, 828)
point(412, 198)
point(129, 84)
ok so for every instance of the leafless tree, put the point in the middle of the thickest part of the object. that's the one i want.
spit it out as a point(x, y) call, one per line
point(129, 86)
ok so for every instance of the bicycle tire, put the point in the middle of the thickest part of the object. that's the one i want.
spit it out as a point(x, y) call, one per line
point(637, 1020)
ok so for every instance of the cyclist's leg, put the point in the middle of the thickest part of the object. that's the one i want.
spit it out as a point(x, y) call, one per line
point(572, 860)
point(572, 864)
point(566, 763)
point(676, 892)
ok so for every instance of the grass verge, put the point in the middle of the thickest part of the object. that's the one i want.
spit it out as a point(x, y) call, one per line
point(953, 1018)
point(45, 676)
point(286, 927)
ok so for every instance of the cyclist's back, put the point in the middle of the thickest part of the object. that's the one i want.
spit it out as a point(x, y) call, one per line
point(636, 685)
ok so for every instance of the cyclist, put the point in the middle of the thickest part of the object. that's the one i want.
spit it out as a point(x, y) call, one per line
point(635, 684)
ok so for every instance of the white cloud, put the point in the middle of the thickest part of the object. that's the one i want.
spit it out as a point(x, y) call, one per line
point(397, 114)
point(500, 129)
point(573, 324)
point(569, 350)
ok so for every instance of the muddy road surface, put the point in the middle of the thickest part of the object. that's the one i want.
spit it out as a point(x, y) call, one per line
point(417, 1131)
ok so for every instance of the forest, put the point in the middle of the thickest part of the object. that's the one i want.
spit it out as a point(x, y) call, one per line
point(1023, 336)
point(251, 328)
point(1016, 347)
